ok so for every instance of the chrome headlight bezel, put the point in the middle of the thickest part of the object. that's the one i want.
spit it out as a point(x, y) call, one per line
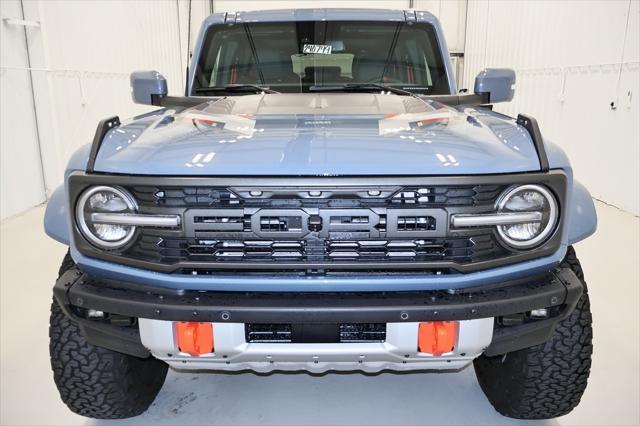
point(85, 228)
point(549, 226)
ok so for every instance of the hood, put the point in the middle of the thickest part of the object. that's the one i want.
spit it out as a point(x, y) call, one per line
point(324, 134)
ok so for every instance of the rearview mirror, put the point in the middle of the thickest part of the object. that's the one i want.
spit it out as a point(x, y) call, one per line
point(499, 84)
point(148, 87)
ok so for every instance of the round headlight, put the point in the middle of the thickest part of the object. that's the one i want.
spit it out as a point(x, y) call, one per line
point(105, 199)
point(528, 198)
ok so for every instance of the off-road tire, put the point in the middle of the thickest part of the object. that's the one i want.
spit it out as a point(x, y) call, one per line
point(548, 380)
point(94, 381)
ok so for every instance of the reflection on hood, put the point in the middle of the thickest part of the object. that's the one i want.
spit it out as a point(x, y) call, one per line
point(323, 134)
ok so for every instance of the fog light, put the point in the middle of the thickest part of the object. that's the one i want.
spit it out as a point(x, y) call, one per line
point(92, 313)
point(539, 313)
point(195, 338)
point(437, 338)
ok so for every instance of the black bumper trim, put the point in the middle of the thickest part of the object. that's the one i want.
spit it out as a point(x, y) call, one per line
point(557, 288)
point(509, 339)
point(120, 339)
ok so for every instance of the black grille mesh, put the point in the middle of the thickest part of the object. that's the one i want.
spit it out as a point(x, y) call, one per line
point(461, 250)
point(220, 228)
point(220, 197)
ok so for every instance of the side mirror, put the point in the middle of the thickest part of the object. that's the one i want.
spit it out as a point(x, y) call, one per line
point(148, 87)
point(499, 84)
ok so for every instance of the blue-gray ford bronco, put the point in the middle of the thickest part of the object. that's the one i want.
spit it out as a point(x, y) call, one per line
point(321, 198)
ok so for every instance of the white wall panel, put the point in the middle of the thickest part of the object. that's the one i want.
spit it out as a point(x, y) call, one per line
point(82, 55)
point(452, 15)
point(572, 60)
point(21, 182)
point(192, 14)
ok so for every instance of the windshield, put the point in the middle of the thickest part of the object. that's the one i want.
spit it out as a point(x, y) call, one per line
point(293, 57)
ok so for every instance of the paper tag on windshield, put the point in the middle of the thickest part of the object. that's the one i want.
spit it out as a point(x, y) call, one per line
point(323, 49)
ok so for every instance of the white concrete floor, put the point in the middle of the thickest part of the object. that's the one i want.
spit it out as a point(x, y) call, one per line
point(29, 261)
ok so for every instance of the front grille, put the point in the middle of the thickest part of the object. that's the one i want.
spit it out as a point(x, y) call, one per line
point(309, 226)
point(298, 227)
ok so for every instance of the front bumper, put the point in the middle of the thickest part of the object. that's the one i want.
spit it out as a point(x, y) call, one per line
point(557, 290)
point(398, 352)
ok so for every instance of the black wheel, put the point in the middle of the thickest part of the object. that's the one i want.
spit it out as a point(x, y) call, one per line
point(98, 382)
point(547, 380)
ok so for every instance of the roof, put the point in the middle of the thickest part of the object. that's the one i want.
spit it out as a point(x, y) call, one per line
point(328, 14)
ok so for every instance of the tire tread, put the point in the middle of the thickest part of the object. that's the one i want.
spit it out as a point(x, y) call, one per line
point(94, 381)
point(547, 380)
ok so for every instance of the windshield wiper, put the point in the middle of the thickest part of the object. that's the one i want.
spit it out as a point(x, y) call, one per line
point(235, 88)
point(361, 86)
point(247, 31)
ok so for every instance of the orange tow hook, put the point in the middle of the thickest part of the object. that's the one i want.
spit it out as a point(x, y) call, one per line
point(195, 338)
point(437, 337)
